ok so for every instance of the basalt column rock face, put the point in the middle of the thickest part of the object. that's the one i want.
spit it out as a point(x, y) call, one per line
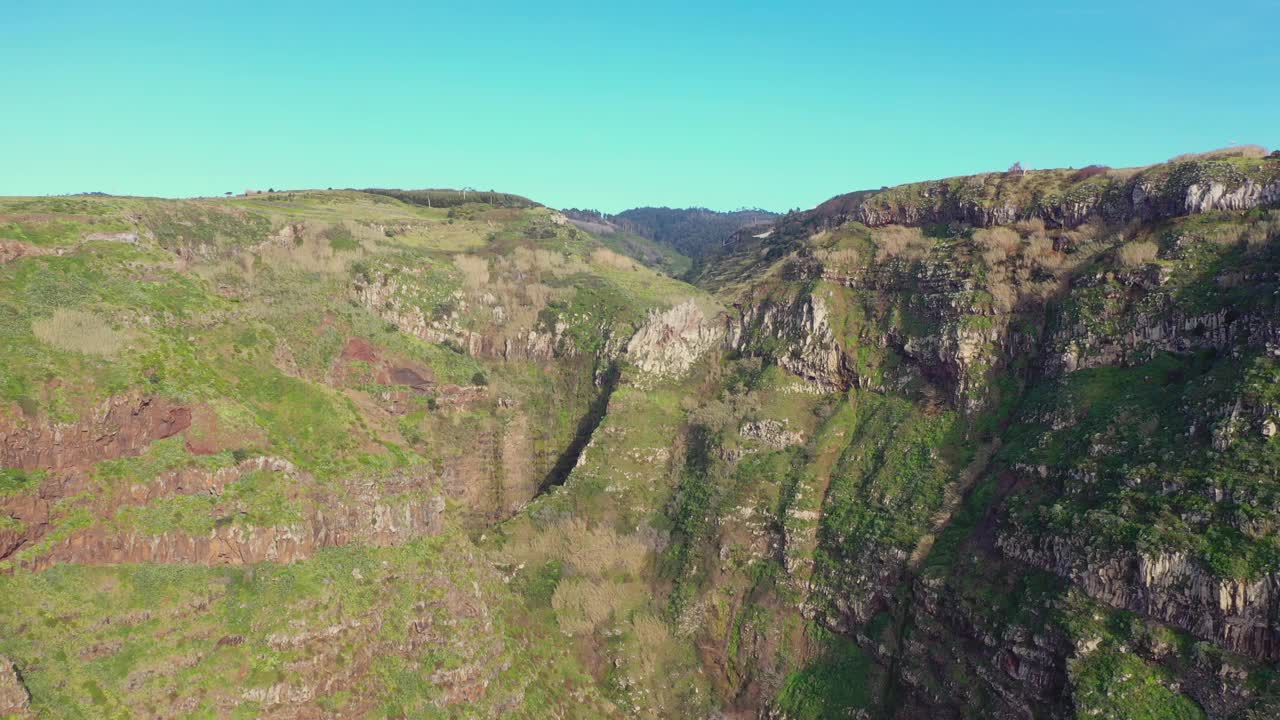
point(1235, 614)
point(386, 294)
point(364, 512)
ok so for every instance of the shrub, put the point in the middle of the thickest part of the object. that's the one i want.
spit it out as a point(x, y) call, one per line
point(479, 378)
point(897, 241)
point(1135, 254)
point(475, 270)
point(340, 238)
point(582, 605)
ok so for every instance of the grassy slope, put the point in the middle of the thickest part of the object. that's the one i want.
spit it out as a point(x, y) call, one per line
point(241, 308)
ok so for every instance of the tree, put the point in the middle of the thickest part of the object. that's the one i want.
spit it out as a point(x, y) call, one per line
point(1016, 170)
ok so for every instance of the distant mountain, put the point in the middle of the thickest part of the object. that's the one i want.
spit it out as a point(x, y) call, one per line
point(690, 231)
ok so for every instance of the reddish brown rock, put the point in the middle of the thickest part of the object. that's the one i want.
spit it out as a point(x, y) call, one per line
point(120, 426)
point(357, 512)
point(11, 250)
point(14, 698)
point(384, 370)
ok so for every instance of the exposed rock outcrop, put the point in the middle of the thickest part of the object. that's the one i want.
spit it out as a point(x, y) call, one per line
point(671, 341)
point(11, 250)
point(119, 426)
point(14, 698)
point(1236, 615)
point(1138, 330)
point(797, 336)
point(382, 295)
point(959, 656)
point(365, 520)
point(772, 433)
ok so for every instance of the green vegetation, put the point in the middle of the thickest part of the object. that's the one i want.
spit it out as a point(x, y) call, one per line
point(838, 682)
point(1143, 413)
point(456, 198)
point(106, 641)
point(1110, 681)
point(888, 481)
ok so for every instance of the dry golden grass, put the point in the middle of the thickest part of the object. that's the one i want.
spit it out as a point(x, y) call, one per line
point(1135, 254)
point(81, 332)
point(475, 271)
point(582, 605)
point(312, 255)
point(1003, 296)
point(608, 258)
point(997, 238)
point(1030, 228)
point(1040, 252)
point(588, 551)
point(896, 241)
point(997, 244)
point(846, 257)
point(539, 260)
point(649, 639)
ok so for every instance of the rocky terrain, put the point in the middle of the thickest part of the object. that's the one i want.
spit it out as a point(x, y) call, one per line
point(997, 446)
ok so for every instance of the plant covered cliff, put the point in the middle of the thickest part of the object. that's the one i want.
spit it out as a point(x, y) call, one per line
point(996, 446)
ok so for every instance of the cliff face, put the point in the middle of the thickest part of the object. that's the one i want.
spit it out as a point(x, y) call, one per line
point(1129, 372)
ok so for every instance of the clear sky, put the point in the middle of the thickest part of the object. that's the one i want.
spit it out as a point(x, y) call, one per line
point(612, 105)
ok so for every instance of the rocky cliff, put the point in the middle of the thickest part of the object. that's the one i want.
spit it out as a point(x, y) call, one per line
point(1064, 198)
point(1117, 331)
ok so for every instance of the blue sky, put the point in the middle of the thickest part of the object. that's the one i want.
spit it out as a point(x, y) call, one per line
point(779, 105)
